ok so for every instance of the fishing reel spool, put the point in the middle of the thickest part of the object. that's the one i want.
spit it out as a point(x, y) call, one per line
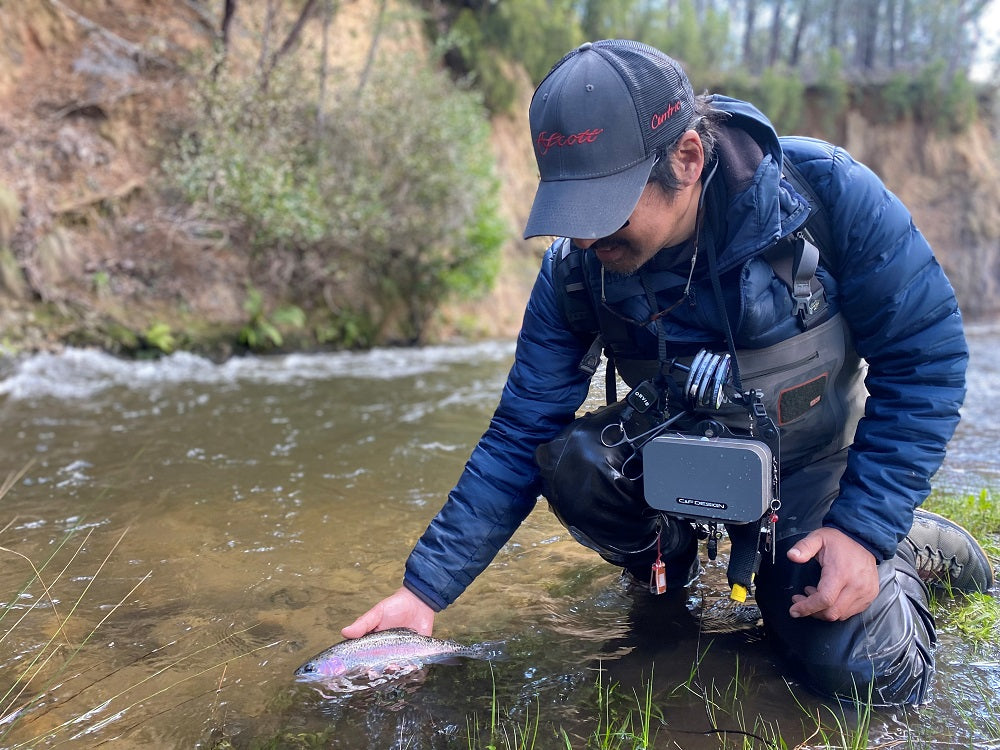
point(709, 374)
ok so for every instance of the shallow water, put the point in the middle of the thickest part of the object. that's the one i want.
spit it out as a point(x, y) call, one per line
point(203, 529)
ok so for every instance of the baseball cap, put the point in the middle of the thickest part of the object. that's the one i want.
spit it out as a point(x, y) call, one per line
point(597, 120)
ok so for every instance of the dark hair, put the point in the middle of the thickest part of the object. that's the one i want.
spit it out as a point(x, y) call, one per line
point(706, 125)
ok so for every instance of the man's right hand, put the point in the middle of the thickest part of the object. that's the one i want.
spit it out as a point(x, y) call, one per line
point(402, 609)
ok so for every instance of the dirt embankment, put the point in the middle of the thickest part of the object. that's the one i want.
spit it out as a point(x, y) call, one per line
point(92, 251)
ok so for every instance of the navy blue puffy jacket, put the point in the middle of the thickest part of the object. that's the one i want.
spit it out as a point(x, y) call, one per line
point(894, 295)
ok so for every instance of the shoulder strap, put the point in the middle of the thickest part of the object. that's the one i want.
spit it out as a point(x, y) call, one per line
point(569, 278)
point(817, 225)
point(573, 294)
point(796, 264)
point(794, 261)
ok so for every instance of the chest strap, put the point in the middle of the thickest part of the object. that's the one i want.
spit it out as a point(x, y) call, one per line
point(794, 261)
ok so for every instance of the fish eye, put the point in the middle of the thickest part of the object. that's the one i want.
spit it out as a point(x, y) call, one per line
point(308, 668)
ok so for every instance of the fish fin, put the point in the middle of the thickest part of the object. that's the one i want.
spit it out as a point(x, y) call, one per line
point(456, 658)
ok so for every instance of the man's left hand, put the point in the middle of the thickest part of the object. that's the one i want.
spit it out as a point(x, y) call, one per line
point(848, 581)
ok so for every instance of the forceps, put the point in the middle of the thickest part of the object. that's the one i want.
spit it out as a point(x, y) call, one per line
point(635, 443)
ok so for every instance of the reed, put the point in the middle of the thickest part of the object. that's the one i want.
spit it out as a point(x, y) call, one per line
point(31, 692)
point(504, 732)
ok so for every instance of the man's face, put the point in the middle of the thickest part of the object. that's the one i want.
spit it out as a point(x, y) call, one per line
point(659, 220)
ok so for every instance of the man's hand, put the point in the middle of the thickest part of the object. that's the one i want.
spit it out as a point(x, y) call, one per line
point(402, 609)
point(848, 581)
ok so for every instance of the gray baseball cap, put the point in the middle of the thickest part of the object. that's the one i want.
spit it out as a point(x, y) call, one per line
point(597, 120)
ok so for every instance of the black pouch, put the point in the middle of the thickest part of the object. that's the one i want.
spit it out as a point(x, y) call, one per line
point(587, 489)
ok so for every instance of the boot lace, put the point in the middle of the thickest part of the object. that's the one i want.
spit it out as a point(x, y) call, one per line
point(932, 564)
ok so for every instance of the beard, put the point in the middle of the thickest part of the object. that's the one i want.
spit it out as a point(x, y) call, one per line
point(621, 258)
point(624, 259)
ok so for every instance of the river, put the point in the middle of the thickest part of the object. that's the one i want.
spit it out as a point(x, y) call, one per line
point(202, 529)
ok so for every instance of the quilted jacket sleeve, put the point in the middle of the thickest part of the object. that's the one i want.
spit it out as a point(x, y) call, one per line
point(499, 485)
point(907, 325)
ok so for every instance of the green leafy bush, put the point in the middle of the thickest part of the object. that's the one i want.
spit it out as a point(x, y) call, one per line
point(376, 204)
point(486, 40)
point(781, 96)
point(946, 103)
point(897, 98)
point(411, 180)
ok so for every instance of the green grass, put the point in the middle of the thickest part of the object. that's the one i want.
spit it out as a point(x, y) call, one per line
point(623, 721)
point(504, 731)
point(980, 514)
point(975, 617)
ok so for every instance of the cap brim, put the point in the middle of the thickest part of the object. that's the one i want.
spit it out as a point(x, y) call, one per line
point(587, 209)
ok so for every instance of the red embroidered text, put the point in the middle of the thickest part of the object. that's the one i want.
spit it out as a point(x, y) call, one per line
point(662, 117)
point(547, 140)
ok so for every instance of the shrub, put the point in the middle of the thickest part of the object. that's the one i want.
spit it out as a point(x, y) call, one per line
point(411, 184)
point(781, 96)
point(945, 103)
point(377, 210)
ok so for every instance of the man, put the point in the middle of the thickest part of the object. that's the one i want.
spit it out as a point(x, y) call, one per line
point(677, 214)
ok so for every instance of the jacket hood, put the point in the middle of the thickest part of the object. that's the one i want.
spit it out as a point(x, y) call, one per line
point(749, 206)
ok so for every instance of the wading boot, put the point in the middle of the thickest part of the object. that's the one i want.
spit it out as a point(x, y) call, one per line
point(947, 557)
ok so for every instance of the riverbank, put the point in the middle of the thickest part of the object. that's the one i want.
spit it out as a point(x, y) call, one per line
point(96, 251)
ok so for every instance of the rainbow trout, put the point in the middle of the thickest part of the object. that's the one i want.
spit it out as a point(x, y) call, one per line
point(384, 651)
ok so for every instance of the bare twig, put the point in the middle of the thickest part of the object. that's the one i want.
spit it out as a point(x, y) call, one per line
point(204, 16)
point(115, 194)
point(286, 46)
point(228, 12)
point(294, 33)
point(265, 38)
point(373, 48)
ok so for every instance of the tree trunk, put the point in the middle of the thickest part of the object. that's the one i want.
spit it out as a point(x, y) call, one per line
point(795, 53)
point(750, 19)
point(834, 28)
point(329, 9)
point(777, 22)
point(868, 36)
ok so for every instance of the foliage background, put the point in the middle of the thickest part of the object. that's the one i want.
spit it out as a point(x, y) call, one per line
point(301, 173)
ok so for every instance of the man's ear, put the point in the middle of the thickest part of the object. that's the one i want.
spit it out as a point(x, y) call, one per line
point(688, 158)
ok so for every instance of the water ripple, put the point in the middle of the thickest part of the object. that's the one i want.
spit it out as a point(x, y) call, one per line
point(82, 373)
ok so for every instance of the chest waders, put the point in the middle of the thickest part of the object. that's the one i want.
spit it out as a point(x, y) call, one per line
point(802, 397)
point(812, 388)
point(809, 395)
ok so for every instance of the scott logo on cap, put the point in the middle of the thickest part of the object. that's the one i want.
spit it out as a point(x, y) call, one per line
point(546, 140)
